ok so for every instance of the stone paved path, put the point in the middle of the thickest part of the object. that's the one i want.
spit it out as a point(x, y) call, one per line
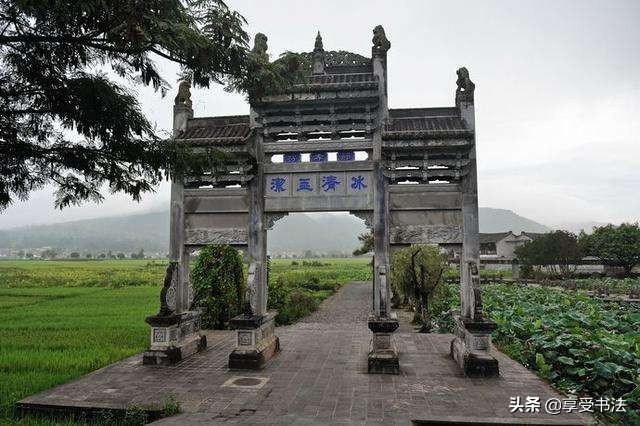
point(319, 378)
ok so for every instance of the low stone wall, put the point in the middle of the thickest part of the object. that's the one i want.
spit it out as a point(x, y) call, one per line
point(585, 267)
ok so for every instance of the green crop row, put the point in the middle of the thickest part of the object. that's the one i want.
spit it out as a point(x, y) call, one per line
point(105, 273)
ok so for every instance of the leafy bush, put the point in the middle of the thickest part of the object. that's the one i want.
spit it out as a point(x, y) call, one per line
point(171, 407)
point(557, 252)
point(314, 263)
point(614, 245)
point(291, 299)
point(417, 276)
point(298, 305)
point(218, 285)
point(366, 244)
point(526, 271)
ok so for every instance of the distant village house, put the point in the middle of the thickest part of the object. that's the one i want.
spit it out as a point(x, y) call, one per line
point(502, 245)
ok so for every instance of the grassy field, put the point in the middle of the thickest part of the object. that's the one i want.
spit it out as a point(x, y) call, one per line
point(62, 319)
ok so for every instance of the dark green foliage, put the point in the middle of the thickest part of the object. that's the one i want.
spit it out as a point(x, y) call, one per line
point(171, 407)
point(134, 416)
point(614, 245)
point(296, 290)
point(526, 270)
point(259, 77)
point(295, 296)
point(417, 276)
point(300, 305)
point(314, 263)
point(558, 252)
point(291, 301)
point(218, 285)
point(582, 345)
point(64, 122)
point(366, 244)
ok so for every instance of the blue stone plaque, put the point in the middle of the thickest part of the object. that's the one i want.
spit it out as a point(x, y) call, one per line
point(318, 157)
point(293, 157)
point(346, 155)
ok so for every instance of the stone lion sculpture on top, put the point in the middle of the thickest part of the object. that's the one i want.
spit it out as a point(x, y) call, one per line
point(380, 42)
point(260, 45)
point(465, 89)
point(184, 94)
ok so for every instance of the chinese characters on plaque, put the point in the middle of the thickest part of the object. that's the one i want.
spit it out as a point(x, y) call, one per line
point(318, 184)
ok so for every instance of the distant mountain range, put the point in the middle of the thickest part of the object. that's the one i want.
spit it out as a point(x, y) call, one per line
point(129, 233)
point(150, 231)
point(502, 220)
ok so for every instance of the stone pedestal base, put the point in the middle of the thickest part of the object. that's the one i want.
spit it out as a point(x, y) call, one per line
point(174, 338)
point(383, 353)
point(256, 342)
point(471, 348)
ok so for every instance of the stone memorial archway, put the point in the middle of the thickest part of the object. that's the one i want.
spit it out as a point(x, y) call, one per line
point(417, 185)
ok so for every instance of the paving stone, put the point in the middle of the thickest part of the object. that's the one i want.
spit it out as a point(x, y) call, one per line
point(320, 377)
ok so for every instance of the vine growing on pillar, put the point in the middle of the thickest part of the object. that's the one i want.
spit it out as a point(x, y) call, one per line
point(218, 285)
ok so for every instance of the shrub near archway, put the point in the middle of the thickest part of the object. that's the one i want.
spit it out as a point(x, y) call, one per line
point(417, 276)
point(218, 285)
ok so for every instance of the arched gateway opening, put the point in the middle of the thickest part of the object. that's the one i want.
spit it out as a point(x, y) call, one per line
point(315, 235)
point(329, 143)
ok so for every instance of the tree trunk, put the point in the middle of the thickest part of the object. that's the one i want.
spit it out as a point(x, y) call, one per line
point(417, 314)
point(425, 316)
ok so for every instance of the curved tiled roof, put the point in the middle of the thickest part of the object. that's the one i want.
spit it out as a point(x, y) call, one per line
point(230, 130)
point(343, 78)
point(493, 237)
point(339, 82)
point(335, 60)
point(422, 123)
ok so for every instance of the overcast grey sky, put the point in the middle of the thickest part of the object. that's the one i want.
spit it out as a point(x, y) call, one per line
point(557, 95)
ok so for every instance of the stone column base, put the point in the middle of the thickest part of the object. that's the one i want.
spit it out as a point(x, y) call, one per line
point(174, 338)
point(471, 348)
point(256, 342)
point(383, 353)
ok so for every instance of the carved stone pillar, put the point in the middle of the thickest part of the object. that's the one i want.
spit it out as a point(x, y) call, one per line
point(471, 346)
point(383, 354)
point(256, 341)
point(175, 329)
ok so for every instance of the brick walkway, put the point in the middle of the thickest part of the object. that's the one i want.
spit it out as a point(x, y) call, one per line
point(320, 377)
